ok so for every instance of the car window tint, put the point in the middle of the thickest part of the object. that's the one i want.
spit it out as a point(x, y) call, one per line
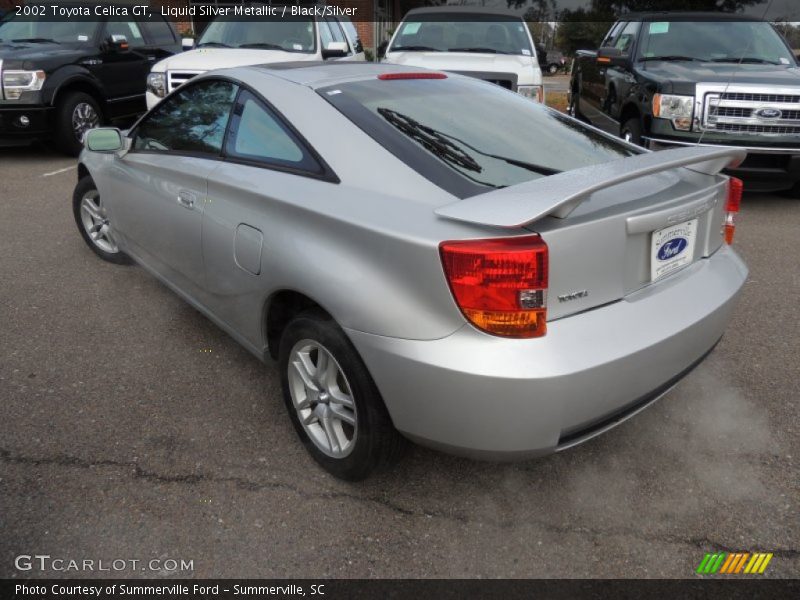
point(258, 135)
point(130, 29)
point(193, 120)
point(158, 31)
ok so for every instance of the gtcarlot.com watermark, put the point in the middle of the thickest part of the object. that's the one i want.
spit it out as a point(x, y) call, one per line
point(45, 563)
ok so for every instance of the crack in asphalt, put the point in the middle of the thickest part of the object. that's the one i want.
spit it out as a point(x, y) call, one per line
point(255, 486)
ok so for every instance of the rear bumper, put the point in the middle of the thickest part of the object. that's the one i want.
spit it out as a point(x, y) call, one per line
point(766, 168)
point(499, 399)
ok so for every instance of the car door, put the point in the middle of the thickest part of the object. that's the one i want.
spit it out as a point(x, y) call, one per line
point(124, 71)
point(158, 193)
point(593, 79)
point(267, 167)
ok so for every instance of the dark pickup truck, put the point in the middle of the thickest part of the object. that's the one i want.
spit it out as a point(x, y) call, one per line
point(60, 78)
point(681, 79)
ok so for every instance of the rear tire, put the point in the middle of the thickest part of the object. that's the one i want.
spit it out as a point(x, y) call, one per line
point(335, 408)
point(75, 114)
point(93, 223)
point(631, 131)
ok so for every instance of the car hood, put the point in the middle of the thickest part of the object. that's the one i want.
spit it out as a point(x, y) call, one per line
point(681, 77)
point(205, 59)
point(37, 56)
point(463, 61)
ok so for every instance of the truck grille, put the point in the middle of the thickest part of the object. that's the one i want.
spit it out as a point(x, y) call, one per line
point(176, 79)
point(762, 129)
point(749, 110)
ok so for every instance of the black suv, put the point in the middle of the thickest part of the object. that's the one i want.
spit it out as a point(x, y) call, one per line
point(58, 79)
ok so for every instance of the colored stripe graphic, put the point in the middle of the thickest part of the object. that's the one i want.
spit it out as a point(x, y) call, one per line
point(711, 563)
point(734, 562)
point(729, 562)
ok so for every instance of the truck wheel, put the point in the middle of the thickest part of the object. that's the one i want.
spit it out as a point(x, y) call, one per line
point(631, 131)
point(76, 113)
point(552, 69)
point(332, 400)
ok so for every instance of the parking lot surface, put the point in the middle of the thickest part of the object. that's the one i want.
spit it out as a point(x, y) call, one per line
point(132, 428)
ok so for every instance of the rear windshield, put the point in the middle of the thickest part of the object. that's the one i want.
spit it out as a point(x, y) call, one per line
point(467, 135)
point(463, 33)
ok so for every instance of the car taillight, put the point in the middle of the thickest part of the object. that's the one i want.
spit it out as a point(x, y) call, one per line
point(732, 205)
point(500, 284)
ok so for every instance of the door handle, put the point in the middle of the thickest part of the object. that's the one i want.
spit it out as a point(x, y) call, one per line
point(186, 199)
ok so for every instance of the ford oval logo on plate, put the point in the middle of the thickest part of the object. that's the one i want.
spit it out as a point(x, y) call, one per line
point(672, 248)
point(768, 113)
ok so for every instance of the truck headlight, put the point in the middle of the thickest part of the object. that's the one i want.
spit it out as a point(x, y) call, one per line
point(534, 92)
point(157, 84)
point(16, 82)
point(678, 109)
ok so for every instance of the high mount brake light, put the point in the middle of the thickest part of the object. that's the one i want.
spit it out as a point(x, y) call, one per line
point(732, 205)
point(420, 75)
point(500, 284)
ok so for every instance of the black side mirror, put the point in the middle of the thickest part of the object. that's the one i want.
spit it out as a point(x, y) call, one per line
point(117, 43)
point(611, 56)
point(382, 48)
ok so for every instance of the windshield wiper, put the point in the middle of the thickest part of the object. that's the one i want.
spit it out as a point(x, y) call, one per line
point(214, 44)
point(264, 45)
point(744, 59)
point(35, 40)
point(415, 49)
point(431, 140)
point(440, 144)
point(668, 57)
point(479, 49)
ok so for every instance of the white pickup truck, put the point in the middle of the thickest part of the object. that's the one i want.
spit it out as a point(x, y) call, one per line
point(230, 43)
point(492, 45)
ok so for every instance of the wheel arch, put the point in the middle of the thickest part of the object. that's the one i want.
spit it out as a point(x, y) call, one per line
point(80, 84)
point(279, 309)
point(629, 111)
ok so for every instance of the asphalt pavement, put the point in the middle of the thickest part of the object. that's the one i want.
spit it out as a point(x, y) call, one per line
point(134, 429)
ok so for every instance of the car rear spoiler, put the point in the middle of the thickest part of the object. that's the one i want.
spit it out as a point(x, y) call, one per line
point(558, 195)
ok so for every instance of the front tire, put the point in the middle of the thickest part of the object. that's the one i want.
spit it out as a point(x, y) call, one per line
point(631, 131)
point(76, 113)
point(93, 223)
point(332, 400)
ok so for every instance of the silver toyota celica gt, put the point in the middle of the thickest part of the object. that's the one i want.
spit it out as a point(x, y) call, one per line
point(428, 257)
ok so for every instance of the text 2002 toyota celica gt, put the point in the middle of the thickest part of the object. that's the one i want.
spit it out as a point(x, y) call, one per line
point(427, 256)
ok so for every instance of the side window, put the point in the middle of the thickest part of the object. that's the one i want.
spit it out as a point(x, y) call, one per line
point(624, 42)
point(336, 31)
point(325, 35)
point(352, 32)
point(193, 120)
point(612, 34)
point(130, 29)
point(158, 31)
point(258, 135)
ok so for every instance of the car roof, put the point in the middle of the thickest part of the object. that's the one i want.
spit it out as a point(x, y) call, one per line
point(317, 74)
point(685, 16)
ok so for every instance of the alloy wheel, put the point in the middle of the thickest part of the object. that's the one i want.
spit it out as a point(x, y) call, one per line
point(95, 222)
point(84, 118)
point(322, 398)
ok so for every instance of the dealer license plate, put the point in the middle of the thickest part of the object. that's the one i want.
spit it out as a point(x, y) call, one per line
point(672, 249)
